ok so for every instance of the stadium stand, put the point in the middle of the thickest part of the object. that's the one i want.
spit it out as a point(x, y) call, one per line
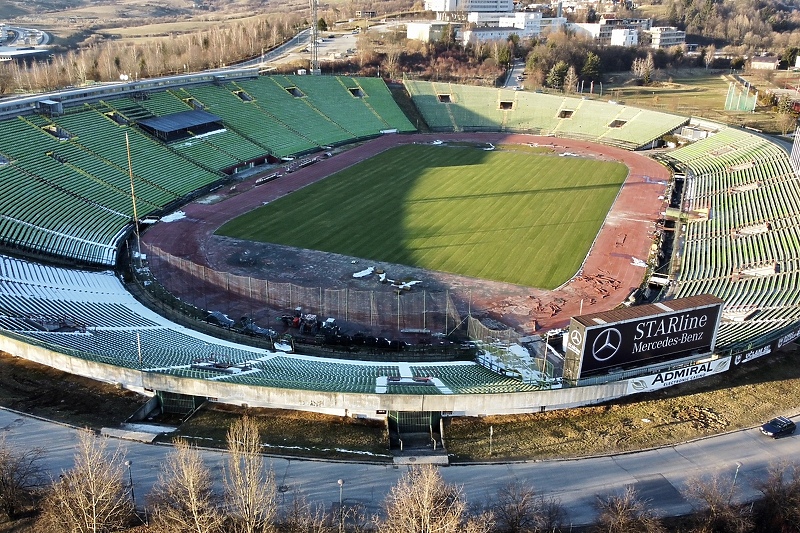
point(64, 185)
point(90, 315)
point(746, 250)
point(77, 159)
point(449, 107)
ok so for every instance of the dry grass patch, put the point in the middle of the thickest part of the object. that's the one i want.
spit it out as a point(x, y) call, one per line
point(43, 391)
point(742, 398)
point(294, 433)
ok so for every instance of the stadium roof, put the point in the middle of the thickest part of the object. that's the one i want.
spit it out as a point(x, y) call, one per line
point(180, 121)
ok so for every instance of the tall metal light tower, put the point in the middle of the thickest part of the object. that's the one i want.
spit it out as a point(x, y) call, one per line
point(314, 39)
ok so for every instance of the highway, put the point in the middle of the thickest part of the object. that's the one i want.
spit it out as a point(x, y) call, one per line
point(658, 475)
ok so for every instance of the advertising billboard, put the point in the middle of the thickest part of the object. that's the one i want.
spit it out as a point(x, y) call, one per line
point(639, 336)
point(679, 375)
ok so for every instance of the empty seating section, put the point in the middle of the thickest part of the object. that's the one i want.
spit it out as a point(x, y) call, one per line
point(642, 128)
point(204, 153)
point(36, 214)
point(129, 109)
point(70, 196)
point(163, 103)
point(250, 121)
point(98, 320)
point(287, 371)
point(379, 98)
point(334, 101)
point(459, 107)
point(590, 119)
point(294, 113)
point(540, 118)
point(435, 112)
point(748, 250)
point(476, 108)
point(151, 161)
point(18, 138)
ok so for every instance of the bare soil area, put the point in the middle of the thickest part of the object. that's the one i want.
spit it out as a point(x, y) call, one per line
point(49, 393)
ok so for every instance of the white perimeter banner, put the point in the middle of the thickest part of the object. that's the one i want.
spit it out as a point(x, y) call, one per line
point(681, 375)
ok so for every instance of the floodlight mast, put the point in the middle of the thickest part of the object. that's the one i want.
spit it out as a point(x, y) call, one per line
point(133, 200)
point(314, 38)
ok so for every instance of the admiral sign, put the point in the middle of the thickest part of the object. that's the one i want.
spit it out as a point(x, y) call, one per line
point(594, 349)
point(680, 375)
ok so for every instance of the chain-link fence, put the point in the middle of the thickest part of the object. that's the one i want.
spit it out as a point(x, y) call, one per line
point(415, 311)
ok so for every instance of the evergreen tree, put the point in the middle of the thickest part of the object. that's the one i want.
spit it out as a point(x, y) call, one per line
point(591, 68)
point(555, 78)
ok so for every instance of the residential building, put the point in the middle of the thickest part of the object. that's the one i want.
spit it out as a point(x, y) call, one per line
point(429, 30)
point(666, 37)
point(442, 7)
point(602, 31)
point(765, 63)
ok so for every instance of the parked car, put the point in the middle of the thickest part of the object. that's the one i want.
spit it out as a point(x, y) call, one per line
point(778, 427)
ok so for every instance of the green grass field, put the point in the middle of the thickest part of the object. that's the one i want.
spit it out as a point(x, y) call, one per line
point(505, 216)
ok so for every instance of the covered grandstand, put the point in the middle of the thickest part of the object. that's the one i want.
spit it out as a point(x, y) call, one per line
point(67, 195)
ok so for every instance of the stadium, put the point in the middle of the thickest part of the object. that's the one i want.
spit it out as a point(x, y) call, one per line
point(111, 187)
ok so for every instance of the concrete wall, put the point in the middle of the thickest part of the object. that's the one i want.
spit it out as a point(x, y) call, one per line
point(335, 403)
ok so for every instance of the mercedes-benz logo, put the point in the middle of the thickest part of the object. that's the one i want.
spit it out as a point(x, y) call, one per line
point(606, 344)
point(575, 337)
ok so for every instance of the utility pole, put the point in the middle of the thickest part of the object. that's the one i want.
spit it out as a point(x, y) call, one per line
point(341, 511)
point(314, 37)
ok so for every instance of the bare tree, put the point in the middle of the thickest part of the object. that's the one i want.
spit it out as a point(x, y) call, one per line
point(708, 57)
point(250, 488)
point(92, 497)
point(392, 58)
point(20, 475)
point(626, 513)
point(571, 81)
point(518, 509)
point(183, 498)
point(422, 502)
point(780, 505)
point(301, 517)
point(712, 498)
point(643, 68)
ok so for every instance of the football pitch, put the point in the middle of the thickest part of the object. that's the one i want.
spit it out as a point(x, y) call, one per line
point(501, 215)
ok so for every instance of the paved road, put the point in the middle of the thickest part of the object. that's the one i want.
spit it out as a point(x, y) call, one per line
point(659, 475)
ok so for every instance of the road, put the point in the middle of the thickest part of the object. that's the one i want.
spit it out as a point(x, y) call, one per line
point(292, 50)
point(658, 475)
point(20, 35)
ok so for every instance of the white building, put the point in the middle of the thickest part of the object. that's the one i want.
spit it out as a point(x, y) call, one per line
point(602, 31)
point(524, 28)
point(624, 37)
point(666, 37)
point(428, 31)
point(554, 24)
point(529, 23)
point(765, 63)
point(449, 6)
point(480, 35)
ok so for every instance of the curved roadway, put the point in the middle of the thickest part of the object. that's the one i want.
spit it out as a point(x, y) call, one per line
point(658, 475)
